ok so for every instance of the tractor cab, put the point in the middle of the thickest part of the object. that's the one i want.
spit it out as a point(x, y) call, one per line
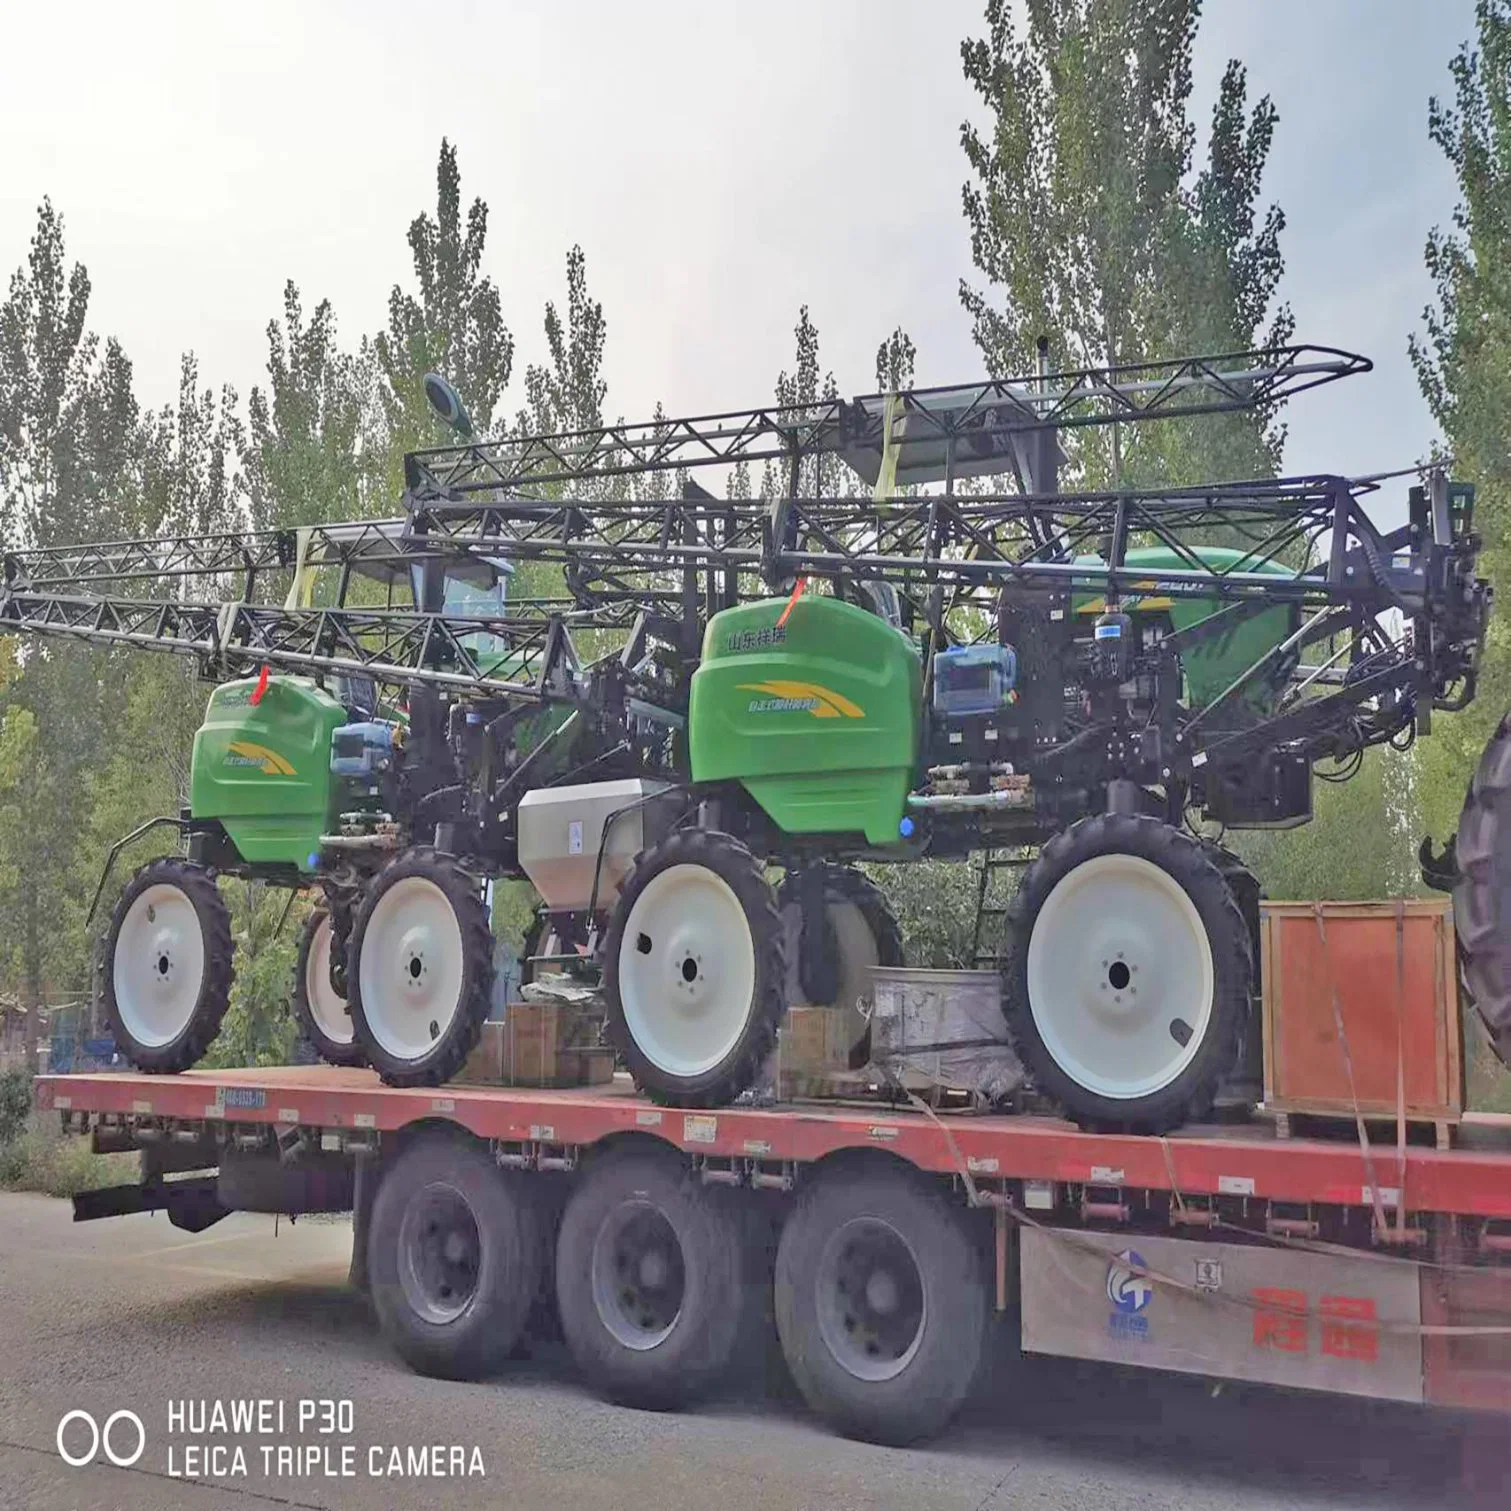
point(372, 564)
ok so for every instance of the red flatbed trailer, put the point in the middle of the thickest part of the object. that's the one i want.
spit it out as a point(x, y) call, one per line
point(1384, 1263)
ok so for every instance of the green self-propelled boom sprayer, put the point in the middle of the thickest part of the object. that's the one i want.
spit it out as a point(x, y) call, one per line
point(804, 683)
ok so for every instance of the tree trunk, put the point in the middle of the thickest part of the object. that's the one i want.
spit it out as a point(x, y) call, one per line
point(31, 1012)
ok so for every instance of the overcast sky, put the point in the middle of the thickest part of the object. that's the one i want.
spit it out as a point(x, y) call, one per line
point(720, 161)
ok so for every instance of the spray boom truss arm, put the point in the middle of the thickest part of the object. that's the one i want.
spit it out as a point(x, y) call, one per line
point(968, 543)
point(397, 647)
point(937, 433)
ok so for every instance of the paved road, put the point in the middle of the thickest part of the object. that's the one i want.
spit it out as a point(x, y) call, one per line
point(133, 1314)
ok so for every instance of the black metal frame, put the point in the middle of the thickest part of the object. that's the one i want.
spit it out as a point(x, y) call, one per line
point(657, 568)
point(983, 415)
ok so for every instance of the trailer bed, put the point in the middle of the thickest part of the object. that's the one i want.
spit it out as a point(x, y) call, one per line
point(1243, 1162)
point(1258, 1245)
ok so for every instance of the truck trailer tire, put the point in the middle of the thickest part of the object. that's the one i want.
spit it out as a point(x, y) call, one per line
point(455, 1257)
point(420, 969)
point(882, 1302)
point(651, 1280)
point(323, 1014)
point(1126, 973)
point(695, 969)
point(168, 964)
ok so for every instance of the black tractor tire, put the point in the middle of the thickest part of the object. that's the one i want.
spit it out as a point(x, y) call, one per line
point(731, 863)
point(891, 1367)
point(1482, 893)
point(843, 886)
point(189, 1045)
point(651, 1282)
point(332, 1050)
point(452, 1041)
point(1189, 1094)
point(456, 1256)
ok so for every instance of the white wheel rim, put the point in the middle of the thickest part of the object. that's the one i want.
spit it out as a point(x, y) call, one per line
point(159, 965)
point(1119, 974)
point(410, 968)
point(328, 1007)
point(687, 970)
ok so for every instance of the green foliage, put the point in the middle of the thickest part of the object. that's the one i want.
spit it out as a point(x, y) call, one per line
point(803, 388)
point(188, 455)
point(40, 1157)
point(1463, 364)
point(1089, 230)
point(454, 325)
point(567, 393)
point(46, 369)
point(894, 362)
point(935, 903)
point(15, 1104)
point(258, 1028)
point(314, 448)
point(1361, 843)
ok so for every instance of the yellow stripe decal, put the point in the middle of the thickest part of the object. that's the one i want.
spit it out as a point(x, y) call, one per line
point(271, 762)
point(828, 704)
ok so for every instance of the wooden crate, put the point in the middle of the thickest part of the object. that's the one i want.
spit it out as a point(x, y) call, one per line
point(1393, 969)
point(540, 1044)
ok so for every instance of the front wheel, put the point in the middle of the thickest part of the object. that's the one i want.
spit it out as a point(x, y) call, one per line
point(421, 969)
point(1127, 973)
point(694, 969)
point(167, 967)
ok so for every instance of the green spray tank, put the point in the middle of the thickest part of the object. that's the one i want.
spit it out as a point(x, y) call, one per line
point(815, 707)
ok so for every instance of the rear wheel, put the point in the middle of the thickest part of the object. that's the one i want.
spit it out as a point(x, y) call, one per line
point(323, 1013)
point(1126, 974)
point(862, 933)
point(455, 1257)
point(167, 967)
point(421, 969)
point(881, 1302)
point(694, 969)
point(650, 1280)
point(1482, 894)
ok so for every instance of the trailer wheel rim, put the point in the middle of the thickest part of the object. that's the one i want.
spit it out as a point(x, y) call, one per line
point(411, 968)
point(159, 965)
point(687, 971)
point(872, 1304)
point(1120, 976)
point(440, 1254)
point(329, 1009)
point(639, 1275)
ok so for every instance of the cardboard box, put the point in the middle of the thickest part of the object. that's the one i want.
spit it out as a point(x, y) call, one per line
point(815, 1040)
point(540, 1044)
